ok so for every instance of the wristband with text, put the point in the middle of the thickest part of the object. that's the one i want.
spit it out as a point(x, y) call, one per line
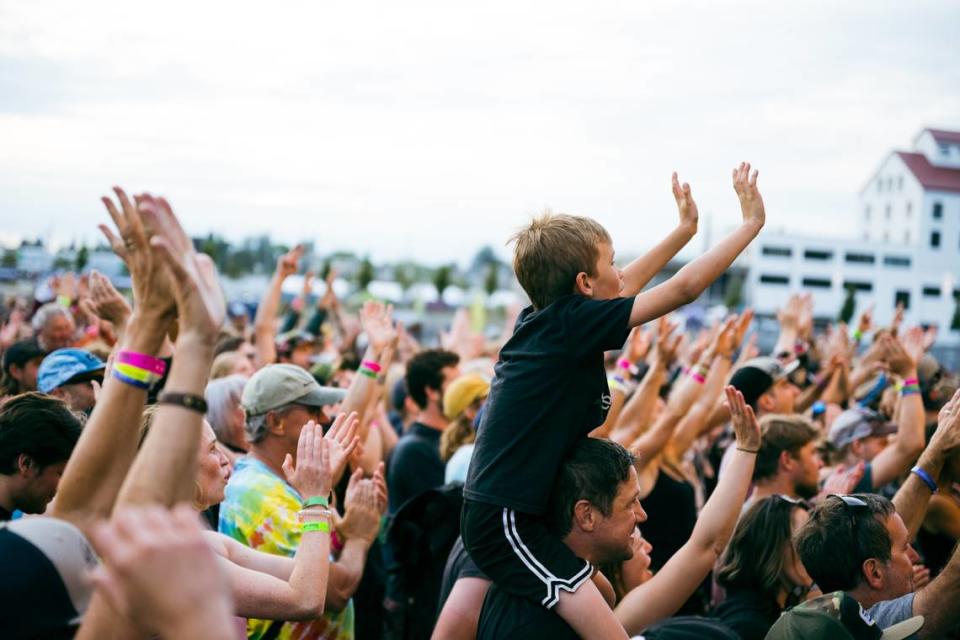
point(322, 526)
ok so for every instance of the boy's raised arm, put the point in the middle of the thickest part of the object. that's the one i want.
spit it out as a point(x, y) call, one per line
point(638, 273)
point(693, 279)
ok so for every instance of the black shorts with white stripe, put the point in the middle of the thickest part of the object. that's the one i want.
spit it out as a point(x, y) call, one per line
point(516, 551)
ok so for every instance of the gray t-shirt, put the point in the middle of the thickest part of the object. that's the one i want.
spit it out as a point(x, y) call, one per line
point(890, 612)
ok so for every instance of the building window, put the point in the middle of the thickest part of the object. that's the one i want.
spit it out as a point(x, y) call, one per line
point(900, 183)
point(937, 210)
point(781, 252)
point(935, 239)
point(902, 297)
point(944, 149)
point(909, 209)
point(858, 285)
point(886, 212)
point(896, 261)
point(860, 258)
point(931, 292)
point(817, 254)
point(769, 279)
point(817, 283)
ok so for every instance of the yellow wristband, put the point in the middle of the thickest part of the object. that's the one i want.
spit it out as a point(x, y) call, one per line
point(322, 526)
point(141, 375)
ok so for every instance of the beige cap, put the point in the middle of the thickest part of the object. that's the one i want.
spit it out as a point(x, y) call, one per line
point(277, 385)
point(462, 392)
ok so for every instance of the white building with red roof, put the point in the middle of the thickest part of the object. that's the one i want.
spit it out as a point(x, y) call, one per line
point(907, 247)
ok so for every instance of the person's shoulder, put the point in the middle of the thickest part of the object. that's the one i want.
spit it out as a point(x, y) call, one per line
point(505, 615)
point(890, 612)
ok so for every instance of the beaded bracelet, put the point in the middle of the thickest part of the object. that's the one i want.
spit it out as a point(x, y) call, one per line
point(187, 401)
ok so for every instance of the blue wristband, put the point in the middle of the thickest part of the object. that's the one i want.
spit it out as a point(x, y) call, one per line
point(927, 480)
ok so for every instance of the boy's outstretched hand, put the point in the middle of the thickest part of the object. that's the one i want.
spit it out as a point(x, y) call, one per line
point(689, 216)
point(745, 184)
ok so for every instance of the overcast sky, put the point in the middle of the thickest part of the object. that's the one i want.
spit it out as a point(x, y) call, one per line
point(429, 129)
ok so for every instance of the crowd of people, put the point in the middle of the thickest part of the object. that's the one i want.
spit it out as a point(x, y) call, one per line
point(172, 468)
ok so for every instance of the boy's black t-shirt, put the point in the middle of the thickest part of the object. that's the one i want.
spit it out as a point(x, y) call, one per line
point(549, 390)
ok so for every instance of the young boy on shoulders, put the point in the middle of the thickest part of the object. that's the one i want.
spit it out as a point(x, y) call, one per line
point(550, 390)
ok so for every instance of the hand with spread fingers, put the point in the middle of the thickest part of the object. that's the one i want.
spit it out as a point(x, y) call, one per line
point(196, 288)
point(311, 474)
point(106, 302)
point(342, 439)
point(152, 286)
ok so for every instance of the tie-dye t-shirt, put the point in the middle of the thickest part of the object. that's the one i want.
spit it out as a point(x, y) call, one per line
point(260, 510)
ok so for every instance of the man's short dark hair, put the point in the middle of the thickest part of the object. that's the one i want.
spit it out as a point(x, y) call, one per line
point(426, 370)
point(781, 433)
point(592, 471)
point(836, 540)
point(228, 343)
point(39, 426)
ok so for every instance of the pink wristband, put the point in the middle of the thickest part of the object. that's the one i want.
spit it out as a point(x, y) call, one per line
point(373, 366)
point(699, 378)
point(910, 381)
point(143, 361)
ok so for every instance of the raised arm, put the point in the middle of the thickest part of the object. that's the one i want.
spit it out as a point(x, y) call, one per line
point(939, 621)
point(165, 469)
point(365, 505)
point(265, 322)
point(912, 497)
point(622, 381)
point(665, 593)
point(897, 457)
point(638, 273)
point(687, 285)
point(108, 444)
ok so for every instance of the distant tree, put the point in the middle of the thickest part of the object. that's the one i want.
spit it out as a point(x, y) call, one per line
point(491, 282)
point(325, 269)
point(365, 274)
point(403, 276)
point(9, 258)
point(848, 307)
point(82, 259)
point(62, 263)
point(483, 258)
point(441, 278)
point(733, 295)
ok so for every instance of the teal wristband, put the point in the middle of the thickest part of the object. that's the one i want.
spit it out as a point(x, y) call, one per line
point(315, 501)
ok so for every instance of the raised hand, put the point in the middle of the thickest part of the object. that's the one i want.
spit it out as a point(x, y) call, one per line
point(914, 343)
point(745, 425)
point(788, 316)
point(865, 323)
point(147, 550)
point(287, 264)
point(899, 360)
point(343, 439)
point(152, 285)
point(105, 301)
point(751, 203)
point(377, 322)
point(638, 344)
point(724, 341)
point(743, 324)
point(946, 439)
point(897, 318)
point(196, 289)
point(311, 475)
point(686, 207)
point(362, 517)
point(842, 480)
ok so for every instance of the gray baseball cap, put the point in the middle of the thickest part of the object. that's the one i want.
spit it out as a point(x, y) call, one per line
point(277, 385)
point(757, 375)
point(854, 424)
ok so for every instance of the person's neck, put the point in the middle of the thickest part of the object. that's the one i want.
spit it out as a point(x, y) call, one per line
point(6, 494)
point(431, 417)
point(579, 542)
point(777, 485)
point(270, 452)
point(868, 597)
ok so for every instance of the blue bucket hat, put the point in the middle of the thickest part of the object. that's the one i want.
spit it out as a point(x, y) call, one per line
point(61, 366)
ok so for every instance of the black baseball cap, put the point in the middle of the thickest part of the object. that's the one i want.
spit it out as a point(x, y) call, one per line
point(20, 353)
point(756, 376)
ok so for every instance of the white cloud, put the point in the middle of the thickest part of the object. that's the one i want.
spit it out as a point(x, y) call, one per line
point(428, 129)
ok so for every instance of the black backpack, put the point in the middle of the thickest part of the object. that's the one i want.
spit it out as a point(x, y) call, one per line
point(420, 536)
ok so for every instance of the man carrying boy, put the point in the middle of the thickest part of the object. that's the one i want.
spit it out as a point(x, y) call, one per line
point(550, 390)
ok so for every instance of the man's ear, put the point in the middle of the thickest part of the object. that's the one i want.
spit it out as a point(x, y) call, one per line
point(585, 515)
point(27, 466)
point(874, 572)
point(766, 402)
point(275, 423)
point(582, 284)
point(786, 460)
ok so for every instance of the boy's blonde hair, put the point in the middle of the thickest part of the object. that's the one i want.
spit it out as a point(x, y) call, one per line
point(552, 250)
